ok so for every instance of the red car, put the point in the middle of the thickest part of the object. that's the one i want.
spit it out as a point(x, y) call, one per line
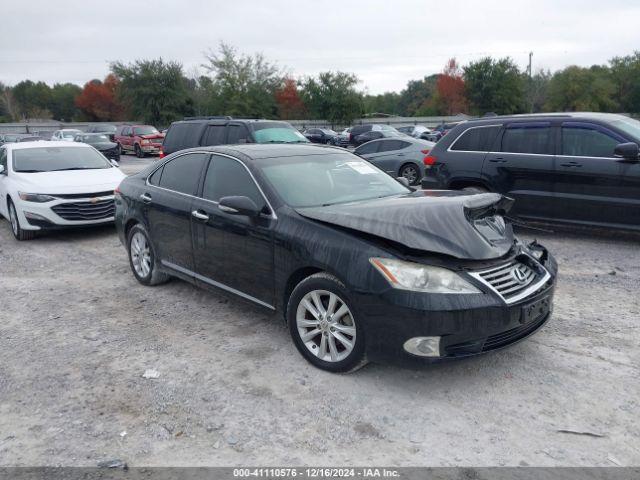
point(139, 139)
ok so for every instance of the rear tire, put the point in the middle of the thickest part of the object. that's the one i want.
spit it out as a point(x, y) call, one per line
point(142, 257)
point(324, 325)
point(16, 229)
point(411, 172)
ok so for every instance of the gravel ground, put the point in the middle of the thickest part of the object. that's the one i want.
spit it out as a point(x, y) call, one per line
point(78, 332)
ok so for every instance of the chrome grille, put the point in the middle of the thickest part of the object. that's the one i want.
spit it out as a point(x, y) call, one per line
point(513, 281)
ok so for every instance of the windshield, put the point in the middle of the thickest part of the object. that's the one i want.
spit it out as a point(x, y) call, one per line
point(275, 132)
point(104, 128)
point(96, 139)
point(321, 180)
point(629, 126)
point(70, 133)
point(52, 159)
point(146, 130)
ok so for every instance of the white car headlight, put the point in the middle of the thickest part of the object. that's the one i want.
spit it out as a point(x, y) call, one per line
point(35, 197)
point(421, 278)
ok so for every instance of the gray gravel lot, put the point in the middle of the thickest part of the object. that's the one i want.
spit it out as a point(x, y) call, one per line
point(77, 333)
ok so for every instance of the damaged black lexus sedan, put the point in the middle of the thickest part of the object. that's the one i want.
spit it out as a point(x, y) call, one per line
point(361, 267)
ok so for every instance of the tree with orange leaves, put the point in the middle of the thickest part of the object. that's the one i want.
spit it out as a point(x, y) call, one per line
point(98, 100)
point(450, 89)
point(290, 105)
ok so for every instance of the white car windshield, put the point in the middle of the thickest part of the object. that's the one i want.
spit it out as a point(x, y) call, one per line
point(54, 159)
point(321, 180)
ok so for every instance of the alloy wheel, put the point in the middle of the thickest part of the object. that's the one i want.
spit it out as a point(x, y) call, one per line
point(140, 254)
point(13, 218)
point(326, 326)
point(410, 173)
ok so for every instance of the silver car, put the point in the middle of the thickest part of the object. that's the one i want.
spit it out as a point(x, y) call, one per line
point(398, 156)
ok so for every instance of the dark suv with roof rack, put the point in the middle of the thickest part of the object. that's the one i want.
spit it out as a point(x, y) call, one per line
point(210, 131)
point(576, 168)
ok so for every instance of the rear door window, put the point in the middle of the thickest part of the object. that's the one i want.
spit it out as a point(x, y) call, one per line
point(476, 139)
point(532, 138)
point(584, 140)
point(214, 135)
point(181, 136)
point(392, 145)
point(182, 174)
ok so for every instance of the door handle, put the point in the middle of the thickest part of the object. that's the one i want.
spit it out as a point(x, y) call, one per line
point(200, 215)
point(497, 160)
point(400, 155)
point(145, 197)
point(571, 164)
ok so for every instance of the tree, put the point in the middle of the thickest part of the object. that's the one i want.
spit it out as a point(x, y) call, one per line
point(416, 95)
point(242, 85)
point(333, 97)
point(450, 90)
point(62, 104)
point(582, 89)
point(290, 105)
point(98, 101)
point(494, 86)
point(33, 100)
point(537, 90)
point(155, 91)
point(388, 102)
point(625, 75)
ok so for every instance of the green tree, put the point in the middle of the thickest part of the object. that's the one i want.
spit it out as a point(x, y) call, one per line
point(33, 100)
point(625, 75)
point(582, 89)
point(333, 97)
point(154, 90)
point(415, 97)
point(494, 86)
point(62, 104)
point(242, 85)
point(537, 90)
point(388, 102)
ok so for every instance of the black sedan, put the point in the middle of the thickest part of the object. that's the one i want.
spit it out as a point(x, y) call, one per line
point(320, 135)
point(102, 143)
point(360, 266)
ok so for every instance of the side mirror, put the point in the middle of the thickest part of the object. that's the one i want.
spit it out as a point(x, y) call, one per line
point(114, 163)
point(2, 170)
point(403, 181)
point(628, 151)
point(239, 206)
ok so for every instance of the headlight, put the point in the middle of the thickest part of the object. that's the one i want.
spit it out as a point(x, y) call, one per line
point(421, 278)
point(35, 197)
point(144, 141)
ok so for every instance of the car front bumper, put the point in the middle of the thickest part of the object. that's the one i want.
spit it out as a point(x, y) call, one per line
point(68, 212)
point(466, 324)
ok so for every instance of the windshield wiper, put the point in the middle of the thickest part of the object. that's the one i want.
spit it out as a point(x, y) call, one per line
point(28, 171)
point(74, 168)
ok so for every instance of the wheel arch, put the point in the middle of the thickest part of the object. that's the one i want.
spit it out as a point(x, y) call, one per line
point(460, 183)
point(294, 279)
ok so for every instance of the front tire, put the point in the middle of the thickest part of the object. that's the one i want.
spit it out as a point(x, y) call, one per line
point(324, 325)
point(16, 229)
point(139, 152)
point(142, 257)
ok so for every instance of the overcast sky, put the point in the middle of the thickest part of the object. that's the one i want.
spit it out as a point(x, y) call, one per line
point(386, 43)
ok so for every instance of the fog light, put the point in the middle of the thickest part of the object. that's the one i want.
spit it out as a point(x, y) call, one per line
point(34, 216)
point(423, 346)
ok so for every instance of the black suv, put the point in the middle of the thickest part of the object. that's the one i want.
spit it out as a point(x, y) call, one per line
point(577, 168)
point(210, 131)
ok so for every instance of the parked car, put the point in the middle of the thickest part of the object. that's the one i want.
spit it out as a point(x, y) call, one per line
point(226, 130)
point(399, 157)
point(101, 142)
point(55, 185)
point(440, 131)
point(576, 168)
point(104, 128)
point(416, 131)
point(341, 139)
point(375, 135)
point(31, 138)
point(139, 139)
point(320, 135)
point(65, 135)
point(360, 266)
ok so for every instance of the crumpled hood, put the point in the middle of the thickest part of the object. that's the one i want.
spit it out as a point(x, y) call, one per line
point(462, 225)
point(153, 136)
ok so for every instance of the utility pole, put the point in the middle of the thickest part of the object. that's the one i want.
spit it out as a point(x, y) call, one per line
point(531, 93)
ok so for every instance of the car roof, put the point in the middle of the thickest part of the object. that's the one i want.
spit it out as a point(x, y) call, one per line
point(247, 120)
point(257, 151)
point(545, 116)
point(44, 143)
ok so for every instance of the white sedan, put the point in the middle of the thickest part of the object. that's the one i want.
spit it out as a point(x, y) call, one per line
point(48, 186)
point(65, 135)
